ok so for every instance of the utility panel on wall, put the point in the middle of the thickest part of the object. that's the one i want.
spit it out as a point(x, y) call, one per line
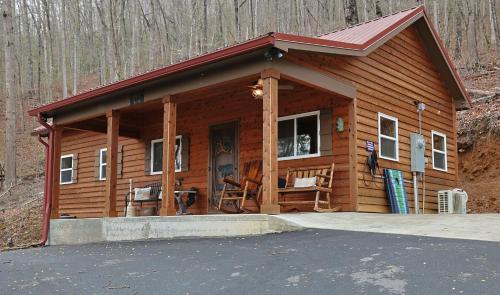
point(417, 149)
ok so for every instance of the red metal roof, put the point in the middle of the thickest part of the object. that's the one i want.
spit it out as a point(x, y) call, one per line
point(364, 34)
point(356, 38)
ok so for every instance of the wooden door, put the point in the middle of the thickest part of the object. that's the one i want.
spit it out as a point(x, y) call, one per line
point(224, 158)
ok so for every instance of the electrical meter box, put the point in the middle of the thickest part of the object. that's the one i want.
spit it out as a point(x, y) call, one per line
point(417, 148)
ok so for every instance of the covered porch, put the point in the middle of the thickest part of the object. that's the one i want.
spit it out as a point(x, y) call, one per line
point(167, 133)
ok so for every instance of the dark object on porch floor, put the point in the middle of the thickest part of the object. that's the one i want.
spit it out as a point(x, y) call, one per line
point(249, 186)
point(297, 183)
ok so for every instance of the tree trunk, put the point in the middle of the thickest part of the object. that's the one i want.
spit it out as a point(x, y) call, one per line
point(471, 36)
point(10, 95)
point(76, 50)
point(63, 49)
point(494, 31)
point(378, 9)
point(237, 32)
point(351, 12)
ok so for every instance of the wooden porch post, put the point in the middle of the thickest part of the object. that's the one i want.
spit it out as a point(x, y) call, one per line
point(168, 164)
point(270, 204)
point(56, 172)
point(113, 118)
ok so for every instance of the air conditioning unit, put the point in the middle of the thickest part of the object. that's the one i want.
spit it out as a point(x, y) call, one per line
point(452, 201)
point(445, 202)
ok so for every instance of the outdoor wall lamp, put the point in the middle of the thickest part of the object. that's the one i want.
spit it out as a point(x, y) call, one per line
point(257, 89)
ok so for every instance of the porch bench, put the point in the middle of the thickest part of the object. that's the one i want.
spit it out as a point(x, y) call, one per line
point(323, 180)
point(154, 195)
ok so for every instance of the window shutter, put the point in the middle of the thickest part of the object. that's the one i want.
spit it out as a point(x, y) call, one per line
point(75, 168)
point(147, 157)
point(325, 132)
point(185, 153)
point(120, 161)
point(96, 164)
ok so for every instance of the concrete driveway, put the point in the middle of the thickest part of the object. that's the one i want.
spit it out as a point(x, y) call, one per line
point(304, 262)
point(484, 227)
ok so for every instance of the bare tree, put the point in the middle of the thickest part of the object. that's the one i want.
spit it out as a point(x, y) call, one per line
point(351, 12)
point(10, 82)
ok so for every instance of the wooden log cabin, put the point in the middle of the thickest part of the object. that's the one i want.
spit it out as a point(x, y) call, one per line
point(324, 99)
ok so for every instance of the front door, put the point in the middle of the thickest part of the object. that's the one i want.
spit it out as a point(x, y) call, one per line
point(223, 160)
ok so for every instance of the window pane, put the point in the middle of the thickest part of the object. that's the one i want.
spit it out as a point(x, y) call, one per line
point(439, 143)
point(157, 156)
point(307, 135)
point(285, 138)
point(178, 154)
point(67, 162)
point(387, 127)
point(388, 148)
point(104, 157)
point(66, 176)
point(103, 171)
point(439, 160)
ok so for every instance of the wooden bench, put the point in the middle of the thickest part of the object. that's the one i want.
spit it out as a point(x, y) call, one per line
point(323, 185)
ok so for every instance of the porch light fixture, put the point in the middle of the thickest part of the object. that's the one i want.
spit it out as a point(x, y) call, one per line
point(257, 89)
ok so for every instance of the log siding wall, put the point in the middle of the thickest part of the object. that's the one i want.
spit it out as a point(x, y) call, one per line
point(390, 80)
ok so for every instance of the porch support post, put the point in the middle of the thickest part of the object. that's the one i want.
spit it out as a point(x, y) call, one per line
point(56, 171)
point(270, 204)
point(113, 118)
point(168, 164)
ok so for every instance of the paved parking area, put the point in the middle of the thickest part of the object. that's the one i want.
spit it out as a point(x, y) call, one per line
point(312, 261)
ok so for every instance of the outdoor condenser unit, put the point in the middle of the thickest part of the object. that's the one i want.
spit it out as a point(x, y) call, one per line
point(452, 201)
point(445, 202)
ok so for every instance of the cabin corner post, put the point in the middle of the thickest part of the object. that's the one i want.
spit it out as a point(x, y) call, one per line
point(168, 160)
point(270, 204)
point(113, 125)
point(353, 155)
point(56, 172)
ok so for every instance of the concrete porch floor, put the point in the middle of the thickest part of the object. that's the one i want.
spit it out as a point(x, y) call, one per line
point(483, 227)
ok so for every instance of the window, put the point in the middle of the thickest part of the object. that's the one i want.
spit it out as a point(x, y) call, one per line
point(439, 159)
point(102, 163)
point(298, 136)
point(66, 169)
point(157, 155)
point(388, 137)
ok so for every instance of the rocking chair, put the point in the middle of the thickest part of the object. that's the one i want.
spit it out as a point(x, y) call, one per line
point(249, 186)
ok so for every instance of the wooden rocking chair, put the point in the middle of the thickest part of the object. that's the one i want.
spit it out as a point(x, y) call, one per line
point(249, 186)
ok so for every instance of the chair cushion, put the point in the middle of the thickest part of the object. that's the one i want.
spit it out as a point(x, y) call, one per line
point(142, 194)
point(305, 182)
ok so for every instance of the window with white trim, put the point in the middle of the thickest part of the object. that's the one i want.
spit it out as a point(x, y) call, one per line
point(298, 136)
point(439, 157)
point(388, 137)
point(157, 155)
point(66, 175)
point(102, 163)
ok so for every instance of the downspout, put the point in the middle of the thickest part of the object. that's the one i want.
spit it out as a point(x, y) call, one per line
point(47, 189)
